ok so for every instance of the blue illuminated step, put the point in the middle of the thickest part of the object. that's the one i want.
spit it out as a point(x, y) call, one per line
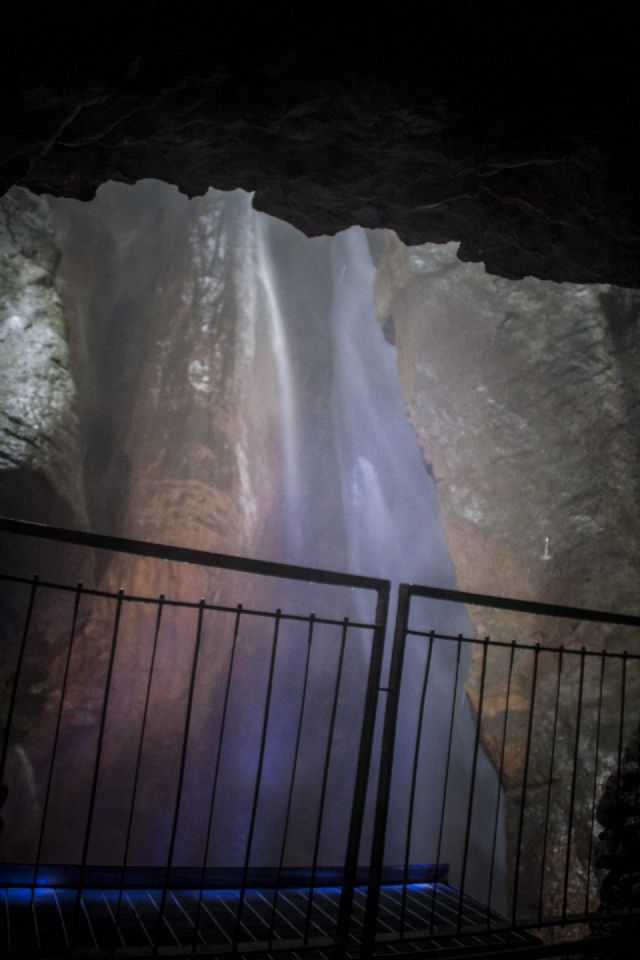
point(190, 878)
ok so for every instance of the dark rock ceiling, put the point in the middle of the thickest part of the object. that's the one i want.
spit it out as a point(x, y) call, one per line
point(507, 126)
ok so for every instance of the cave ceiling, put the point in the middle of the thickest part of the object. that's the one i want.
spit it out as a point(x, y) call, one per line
point(507, 127)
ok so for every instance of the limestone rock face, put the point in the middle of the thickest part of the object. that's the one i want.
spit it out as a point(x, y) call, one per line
point(41, 472)
point(40, 462)
point(41, 475)
point(150, 333)
point(158, 294)
point(524, 397)
point(514, 134)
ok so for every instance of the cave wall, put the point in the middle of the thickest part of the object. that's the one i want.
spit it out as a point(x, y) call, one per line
point(158, 295)
point(39, 433)
point(524, 398)
point(132, 371)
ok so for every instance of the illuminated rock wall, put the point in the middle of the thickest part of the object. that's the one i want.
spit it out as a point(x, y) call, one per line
point(524, 396)
point(40, 460)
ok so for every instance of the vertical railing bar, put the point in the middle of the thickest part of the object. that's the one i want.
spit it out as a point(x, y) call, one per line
point(181, 772)
point(367, 729)
point(472, 785)
point(325, 777)
point(574, 780)
point(96, 771)
point(292, 781)
point(256, 791)
point(554, 734)
point(214, 785)
point(414, 779)
point(445, 786)
point(636, 790)
point(623, 686)
point(16, 680)
point(386, 770)
point(525, 779)
point(56, 737)
point(500, 776)
point(136, 774)
point(595, 779)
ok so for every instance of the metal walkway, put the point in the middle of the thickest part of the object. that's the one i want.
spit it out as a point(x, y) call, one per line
point(132, 921)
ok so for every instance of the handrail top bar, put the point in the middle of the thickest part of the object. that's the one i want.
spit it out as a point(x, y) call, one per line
point(203, 558)
point(520, 606)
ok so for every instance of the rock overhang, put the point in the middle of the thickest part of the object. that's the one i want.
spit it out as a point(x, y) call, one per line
point(507, 128)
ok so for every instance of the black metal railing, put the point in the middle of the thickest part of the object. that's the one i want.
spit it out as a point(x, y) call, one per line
point(285, 703)
point(208, 776)
point(580, 701)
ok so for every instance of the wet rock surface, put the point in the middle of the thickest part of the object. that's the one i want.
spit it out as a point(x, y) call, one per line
point(40, 469)
point(132, 375)
point(618, 847)
point(41, 474)
point(524, 400)
point(512, 132)
point(164, 362)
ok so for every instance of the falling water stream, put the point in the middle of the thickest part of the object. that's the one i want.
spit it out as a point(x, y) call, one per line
point(359, 498)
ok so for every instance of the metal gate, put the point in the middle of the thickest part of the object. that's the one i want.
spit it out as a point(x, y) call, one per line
point(577, 691)
point(194, 773)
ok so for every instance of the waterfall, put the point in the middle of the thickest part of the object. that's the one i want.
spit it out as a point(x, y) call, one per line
point(268, 305)
point(390, 506)
point(367, 504)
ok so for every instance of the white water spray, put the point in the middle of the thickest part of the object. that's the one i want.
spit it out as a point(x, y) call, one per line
point(269, 304)
point(365, 503)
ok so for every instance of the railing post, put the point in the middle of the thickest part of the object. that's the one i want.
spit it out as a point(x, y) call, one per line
point(574, 779)
point(474, 766)
point(525, 783)
point(386, 769)
point(96, 773)
point(181, 774)
point(16, 681)
point(364, 765)
point(554, 737)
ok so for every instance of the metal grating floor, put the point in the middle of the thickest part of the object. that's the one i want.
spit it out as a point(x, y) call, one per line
point(110, 922)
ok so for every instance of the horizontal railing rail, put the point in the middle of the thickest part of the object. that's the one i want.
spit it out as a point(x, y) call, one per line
point(201, 558)
point(169, 602)
point(522, 606)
